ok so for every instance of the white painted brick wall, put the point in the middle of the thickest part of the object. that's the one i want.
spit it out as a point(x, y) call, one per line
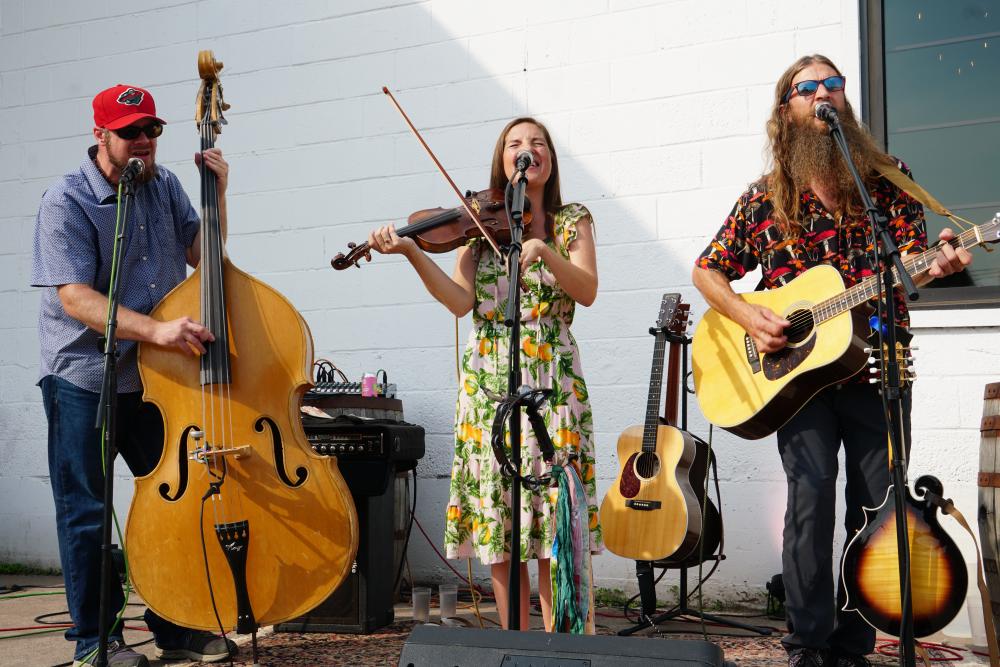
point(657, 109)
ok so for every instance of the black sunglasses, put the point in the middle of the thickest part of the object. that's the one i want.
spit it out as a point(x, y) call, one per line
point(809, 87)
point(130, 132)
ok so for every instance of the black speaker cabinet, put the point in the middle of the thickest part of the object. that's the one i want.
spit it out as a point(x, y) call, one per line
point(433, 646)
point(363, 602)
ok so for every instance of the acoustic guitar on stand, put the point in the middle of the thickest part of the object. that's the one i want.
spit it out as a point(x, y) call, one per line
point(753, 394)
point(652, 511)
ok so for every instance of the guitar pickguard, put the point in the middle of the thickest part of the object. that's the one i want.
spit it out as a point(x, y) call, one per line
point(779, 364)
point(629, 486)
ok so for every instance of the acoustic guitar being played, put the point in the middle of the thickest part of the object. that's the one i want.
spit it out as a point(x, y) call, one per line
point(753, 394)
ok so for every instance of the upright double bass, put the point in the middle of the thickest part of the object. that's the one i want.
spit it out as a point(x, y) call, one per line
point(240, 524)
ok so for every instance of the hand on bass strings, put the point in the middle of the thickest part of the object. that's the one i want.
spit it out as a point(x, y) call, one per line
point(184, 333)
point(765, 327)
point(386, 241)
point(215, 162)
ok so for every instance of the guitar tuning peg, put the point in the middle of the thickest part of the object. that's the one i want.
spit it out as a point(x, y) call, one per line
point(873, 380)
point(868, 350)
point(873, 371)
point(913, 347)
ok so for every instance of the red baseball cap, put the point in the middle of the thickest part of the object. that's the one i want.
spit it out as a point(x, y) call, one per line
point(122, 105)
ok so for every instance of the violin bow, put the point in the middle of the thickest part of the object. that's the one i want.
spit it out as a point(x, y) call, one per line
point(465, 205)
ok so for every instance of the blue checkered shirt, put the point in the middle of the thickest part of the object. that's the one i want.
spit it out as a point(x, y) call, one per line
point(74, 237)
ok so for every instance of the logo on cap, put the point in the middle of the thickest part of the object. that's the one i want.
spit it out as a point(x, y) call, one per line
point(131, 97)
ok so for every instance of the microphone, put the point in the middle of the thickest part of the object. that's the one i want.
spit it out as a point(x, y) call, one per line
point(132, 169)
point(523, 160)
point(826, 113)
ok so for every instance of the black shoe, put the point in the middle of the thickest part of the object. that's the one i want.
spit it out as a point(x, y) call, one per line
point(805, 657)
point(196, 645)
point(852, 661)
point(119, 655)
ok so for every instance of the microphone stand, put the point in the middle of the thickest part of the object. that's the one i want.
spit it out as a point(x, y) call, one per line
point(107, 417)
point(887, 256)
point(509, 408)
point(512, 319)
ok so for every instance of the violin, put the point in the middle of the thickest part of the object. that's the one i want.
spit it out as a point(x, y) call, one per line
point(438, 230)
point(240, 524)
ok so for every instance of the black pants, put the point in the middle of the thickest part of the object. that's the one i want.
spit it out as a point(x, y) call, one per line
point(809, 443)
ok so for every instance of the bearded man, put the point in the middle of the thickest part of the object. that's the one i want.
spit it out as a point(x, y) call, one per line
point(806, 211)
point(74, 237)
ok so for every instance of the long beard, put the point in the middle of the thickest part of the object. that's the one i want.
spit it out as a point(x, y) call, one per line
point(814, 158)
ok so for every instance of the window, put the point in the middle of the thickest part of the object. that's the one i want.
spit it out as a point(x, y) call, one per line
point(932, 96)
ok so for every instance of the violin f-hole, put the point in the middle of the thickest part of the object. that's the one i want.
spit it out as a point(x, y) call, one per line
point(279, 454)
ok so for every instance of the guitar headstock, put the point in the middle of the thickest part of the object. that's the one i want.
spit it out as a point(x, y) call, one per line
point(673, 317)
point(990, 231)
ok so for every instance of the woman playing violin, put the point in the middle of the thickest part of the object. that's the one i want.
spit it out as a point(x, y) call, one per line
point(559, 268)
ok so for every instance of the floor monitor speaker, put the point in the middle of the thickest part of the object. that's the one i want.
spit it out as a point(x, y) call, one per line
point(434, 646)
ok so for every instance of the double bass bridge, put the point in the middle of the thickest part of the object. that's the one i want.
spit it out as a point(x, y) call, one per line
point(211, 455)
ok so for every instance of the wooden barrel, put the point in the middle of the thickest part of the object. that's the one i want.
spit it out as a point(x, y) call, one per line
point(989, 495)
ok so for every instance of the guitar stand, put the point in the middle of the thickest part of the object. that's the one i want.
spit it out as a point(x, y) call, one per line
point(682, 609)
point(644, 569)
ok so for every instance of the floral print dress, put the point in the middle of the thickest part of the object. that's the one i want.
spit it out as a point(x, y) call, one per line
point(478, 515)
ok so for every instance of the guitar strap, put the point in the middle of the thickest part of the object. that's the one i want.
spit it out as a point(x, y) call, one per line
point(892, 174)
point(948, 507)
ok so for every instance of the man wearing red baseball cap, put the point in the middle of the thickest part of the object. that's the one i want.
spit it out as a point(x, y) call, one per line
point(74, 238)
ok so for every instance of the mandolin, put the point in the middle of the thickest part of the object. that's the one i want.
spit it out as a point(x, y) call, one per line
point(870, 567)
point(753, 394)
point(653, 509)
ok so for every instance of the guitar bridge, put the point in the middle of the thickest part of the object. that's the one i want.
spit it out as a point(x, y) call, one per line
point(643, 505)
point(753, 356)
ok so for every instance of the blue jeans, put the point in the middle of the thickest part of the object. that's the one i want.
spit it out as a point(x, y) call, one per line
point(78, 489)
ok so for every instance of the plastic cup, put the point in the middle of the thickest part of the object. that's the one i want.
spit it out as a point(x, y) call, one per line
point(448, 596)
point(421, 604)
point(977, 624)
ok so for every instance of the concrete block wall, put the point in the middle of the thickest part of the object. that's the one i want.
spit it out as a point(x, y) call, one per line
point(657, 110)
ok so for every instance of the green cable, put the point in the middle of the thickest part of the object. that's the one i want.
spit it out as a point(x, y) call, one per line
point(30, 595)
point(36, 632)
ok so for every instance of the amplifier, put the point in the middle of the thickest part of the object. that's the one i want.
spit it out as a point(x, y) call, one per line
point(354, 438)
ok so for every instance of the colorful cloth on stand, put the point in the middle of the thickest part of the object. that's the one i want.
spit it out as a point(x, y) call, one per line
point(570, 565)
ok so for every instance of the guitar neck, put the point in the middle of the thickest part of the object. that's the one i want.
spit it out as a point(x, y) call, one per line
point(655, 389)
point(869, 288)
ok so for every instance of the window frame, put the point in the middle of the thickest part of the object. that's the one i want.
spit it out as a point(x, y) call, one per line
point(873, 113)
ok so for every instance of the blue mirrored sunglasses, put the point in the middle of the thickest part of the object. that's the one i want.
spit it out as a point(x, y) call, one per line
point(809, 87)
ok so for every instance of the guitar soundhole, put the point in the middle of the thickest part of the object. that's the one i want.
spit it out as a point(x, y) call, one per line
point(802, 326)
point(647, 465)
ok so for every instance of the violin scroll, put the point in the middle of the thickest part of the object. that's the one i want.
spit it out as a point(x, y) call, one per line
point(353, 257)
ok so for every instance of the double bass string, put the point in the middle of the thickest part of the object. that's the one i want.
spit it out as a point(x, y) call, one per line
point(218, 397)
